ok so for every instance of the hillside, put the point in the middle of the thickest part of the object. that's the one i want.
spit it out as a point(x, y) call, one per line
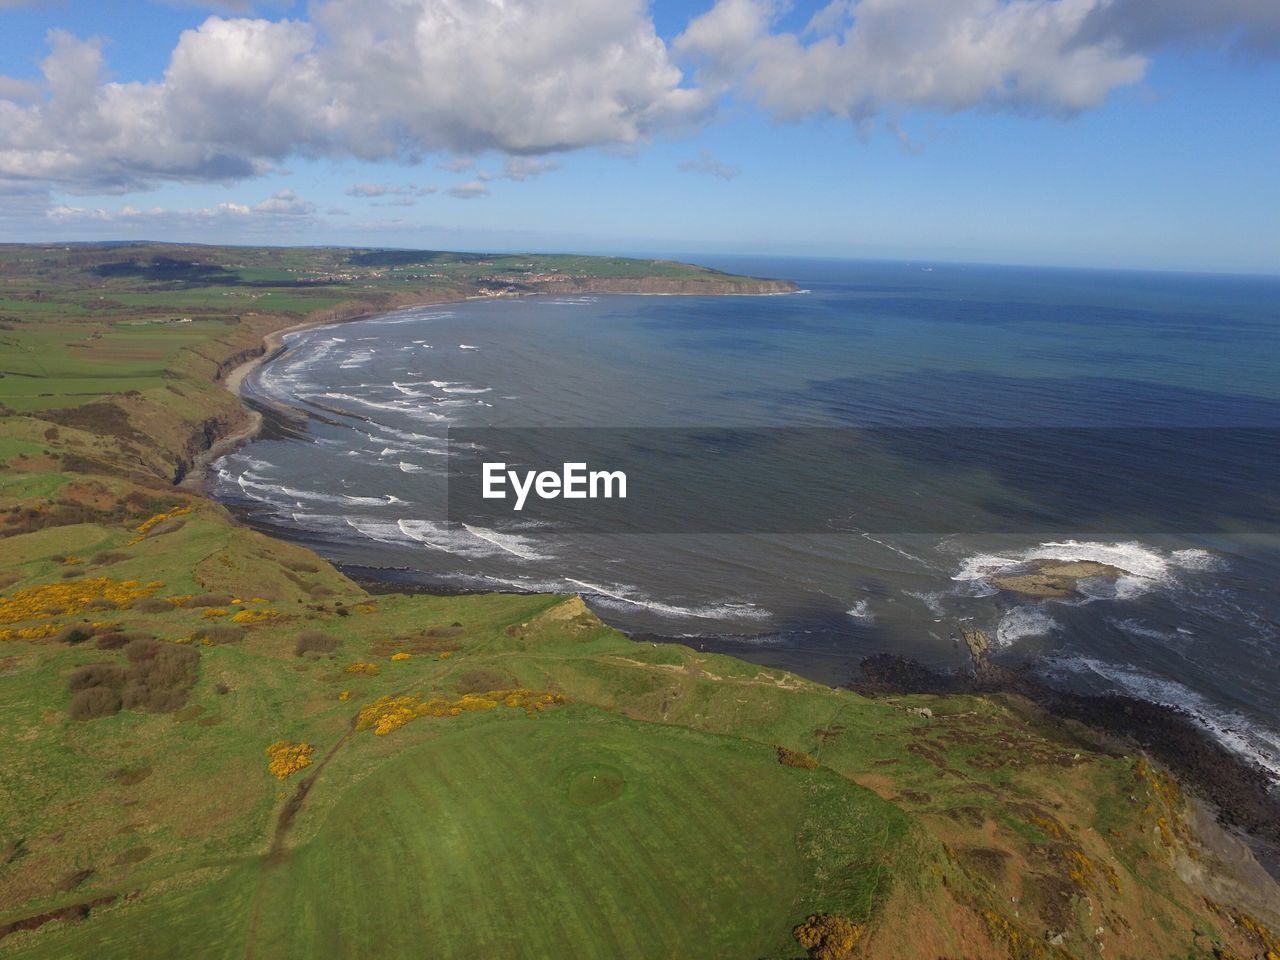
point(216, 745)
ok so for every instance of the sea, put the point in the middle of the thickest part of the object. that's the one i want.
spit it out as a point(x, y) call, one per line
point(1002, 370)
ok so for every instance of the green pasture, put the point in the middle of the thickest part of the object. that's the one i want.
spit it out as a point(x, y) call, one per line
point(572, 834)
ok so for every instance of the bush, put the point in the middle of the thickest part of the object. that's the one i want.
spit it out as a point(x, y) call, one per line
point(108, 557)
point(207, 600)
point(95, 702)
point(102, 604)
point(152, 605)
point(794, 758)
point(108, 675)
point(313, 641)
point(75, 633)
point(115, 640)
point(158, 678)
point(219, 633)
point(828, 937)
point(481, 681)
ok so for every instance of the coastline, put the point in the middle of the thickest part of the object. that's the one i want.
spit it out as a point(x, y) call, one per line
point(272, 344)
point(1237, 796)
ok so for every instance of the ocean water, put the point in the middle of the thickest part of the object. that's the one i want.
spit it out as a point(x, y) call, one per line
point(358, 466)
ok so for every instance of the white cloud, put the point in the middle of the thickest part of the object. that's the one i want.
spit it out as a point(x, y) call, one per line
point(526, 168)
point(469, 191)
point(286, 203)
point(523, 77)
point(707, 163)
point(20, 91)
point(402, 79)
point(373, 190)
point(456, 164)
point(283, 205)
point(370, 191)
point(855, 60)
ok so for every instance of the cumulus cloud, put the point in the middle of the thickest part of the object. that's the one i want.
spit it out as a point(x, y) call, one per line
point(399, 80)
point(856, 60)
point(286, 203)
point(523, 77)
point(707, 163)
point(469, 191)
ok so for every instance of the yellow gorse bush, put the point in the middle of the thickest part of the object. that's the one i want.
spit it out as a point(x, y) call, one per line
point(69, 597)
point(146, 525)
point(254, 616)
point(285, 759)
point(212, 613)
point(402, 656)
point(29, 633)
point(369, 669)
point(391, 713)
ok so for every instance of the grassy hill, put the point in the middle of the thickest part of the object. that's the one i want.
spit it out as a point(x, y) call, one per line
point(213, 744)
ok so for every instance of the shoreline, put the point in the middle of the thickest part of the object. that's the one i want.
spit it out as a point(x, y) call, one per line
point(1241, 796)
point(272, 345)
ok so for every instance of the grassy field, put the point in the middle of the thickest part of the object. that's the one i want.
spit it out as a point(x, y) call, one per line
point(213, 744)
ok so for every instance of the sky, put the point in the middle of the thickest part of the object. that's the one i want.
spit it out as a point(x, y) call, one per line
point(1104, 133)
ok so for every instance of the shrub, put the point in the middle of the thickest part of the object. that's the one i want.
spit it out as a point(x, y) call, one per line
point(828, 937)
point(794, 758)
point(207, 600)
point(478, 681)
point(219, 633)
point(254, 616)
point(313, 641)
point(285, 759)
point(108, 557)
point(95, 702)
point(116, 640)
point(102, 604)
point(75, 633)
point(108, 675)
point(153, 605)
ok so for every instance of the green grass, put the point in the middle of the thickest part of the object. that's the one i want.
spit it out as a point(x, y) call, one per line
point(703, 846)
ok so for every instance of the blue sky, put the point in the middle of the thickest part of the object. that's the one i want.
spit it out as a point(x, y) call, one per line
point(1068, 132)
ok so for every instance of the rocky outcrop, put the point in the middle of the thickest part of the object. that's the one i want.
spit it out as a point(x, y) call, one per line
point(228, 364)
point(210, 432)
